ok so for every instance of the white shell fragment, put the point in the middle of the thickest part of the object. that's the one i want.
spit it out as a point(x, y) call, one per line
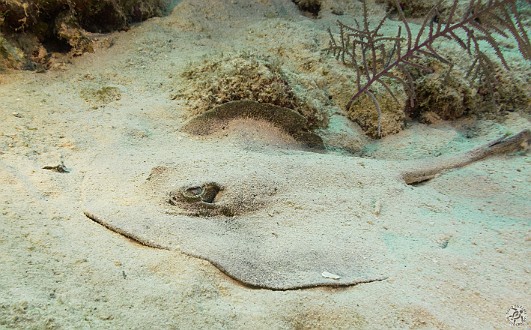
point(330, 275)
point(377, 208)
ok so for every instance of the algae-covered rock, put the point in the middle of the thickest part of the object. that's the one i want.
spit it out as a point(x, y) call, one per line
point(446, 94)
point(68, 29)
point(241, 77)
point(419, 8)
point(66, 25)
point(364, 113)
point(311, 7)
point(503, 92)
point(11, 57)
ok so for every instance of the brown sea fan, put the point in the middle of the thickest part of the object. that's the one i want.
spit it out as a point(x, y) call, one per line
point(376, 58)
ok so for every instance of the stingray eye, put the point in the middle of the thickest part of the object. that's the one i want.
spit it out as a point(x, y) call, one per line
point(205, 193)
point(194, 191)
point(190, 195)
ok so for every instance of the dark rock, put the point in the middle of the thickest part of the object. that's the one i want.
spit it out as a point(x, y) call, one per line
point(65, 26)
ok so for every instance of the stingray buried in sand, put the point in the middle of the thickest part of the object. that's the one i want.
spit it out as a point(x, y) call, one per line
point(267, 224)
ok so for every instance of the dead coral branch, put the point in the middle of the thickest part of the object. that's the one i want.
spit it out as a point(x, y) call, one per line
point(436, 166)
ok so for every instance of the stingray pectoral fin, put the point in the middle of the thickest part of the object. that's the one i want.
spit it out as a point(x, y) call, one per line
point(137, 239)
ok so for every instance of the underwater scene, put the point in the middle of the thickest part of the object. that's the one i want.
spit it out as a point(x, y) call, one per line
point(265, 164)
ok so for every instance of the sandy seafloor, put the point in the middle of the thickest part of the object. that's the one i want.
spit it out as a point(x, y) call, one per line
point(58, 269)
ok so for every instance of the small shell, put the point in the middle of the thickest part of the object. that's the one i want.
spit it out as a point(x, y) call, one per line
point(330, 275)
point(377, 208)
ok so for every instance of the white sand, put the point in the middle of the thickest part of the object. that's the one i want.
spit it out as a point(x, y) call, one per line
point(58, 269)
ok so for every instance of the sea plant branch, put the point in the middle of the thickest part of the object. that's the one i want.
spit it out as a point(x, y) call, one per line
point(478, 25)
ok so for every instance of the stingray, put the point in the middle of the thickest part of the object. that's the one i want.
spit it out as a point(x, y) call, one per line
point(274, 218)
